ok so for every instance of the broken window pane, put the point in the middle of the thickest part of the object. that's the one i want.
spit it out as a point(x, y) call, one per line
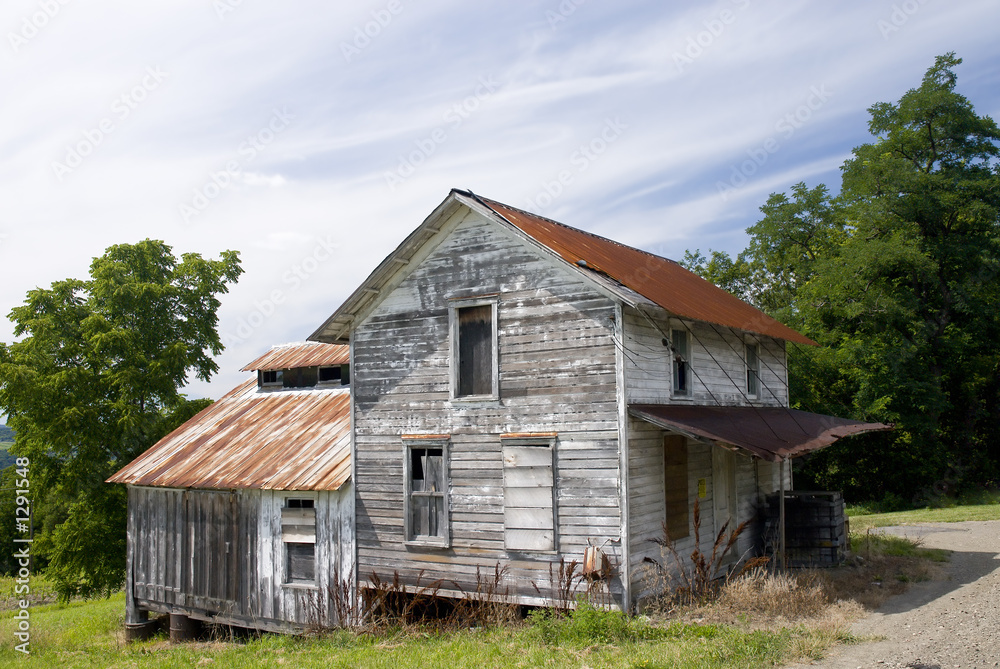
point(682, 371)
point(427, 493)
point(301, 562)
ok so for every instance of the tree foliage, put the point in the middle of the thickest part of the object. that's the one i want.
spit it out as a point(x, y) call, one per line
point(897, 279)
point(94, 381)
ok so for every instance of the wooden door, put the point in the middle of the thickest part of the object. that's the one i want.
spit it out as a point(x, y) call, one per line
point(724, 489)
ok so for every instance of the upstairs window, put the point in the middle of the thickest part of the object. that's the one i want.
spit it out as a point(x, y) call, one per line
point(426, 518)
point(300, 377)
point(753, 369)
point(474, 350)
point(304, 377)
point(682, 362)
point(335, 375)
point(271, 377)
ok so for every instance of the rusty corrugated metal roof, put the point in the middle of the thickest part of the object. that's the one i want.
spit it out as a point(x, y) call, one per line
point(281, 439)
point(300, 354)
point(771, 433)
point(678, 290)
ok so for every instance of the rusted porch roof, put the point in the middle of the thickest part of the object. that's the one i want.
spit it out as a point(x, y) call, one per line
point(770, 433)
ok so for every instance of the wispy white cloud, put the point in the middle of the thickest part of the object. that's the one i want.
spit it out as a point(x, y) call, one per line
point(557, 85)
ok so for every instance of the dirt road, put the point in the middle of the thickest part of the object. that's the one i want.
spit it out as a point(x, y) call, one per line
point(954, 622)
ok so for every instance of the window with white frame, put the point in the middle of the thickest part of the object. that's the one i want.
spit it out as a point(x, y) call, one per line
point(426, 474)
point(474, 354)
point(753, 369)
point(680, 349)
point(529, 493)
point(298, 534)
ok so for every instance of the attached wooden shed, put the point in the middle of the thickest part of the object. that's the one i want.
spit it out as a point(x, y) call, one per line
point(244, 515)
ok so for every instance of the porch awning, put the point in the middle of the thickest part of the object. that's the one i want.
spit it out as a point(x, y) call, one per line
point(770, 433)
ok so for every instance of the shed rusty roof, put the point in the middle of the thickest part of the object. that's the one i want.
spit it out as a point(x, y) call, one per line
point(771, 433)
point(664, 282)
point(300, 354)
point(280, 439)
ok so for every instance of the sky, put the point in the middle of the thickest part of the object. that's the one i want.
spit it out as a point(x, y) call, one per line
point(312, 136)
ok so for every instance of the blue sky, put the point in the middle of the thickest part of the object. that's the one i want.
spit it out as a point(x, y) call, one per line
point(313, 136)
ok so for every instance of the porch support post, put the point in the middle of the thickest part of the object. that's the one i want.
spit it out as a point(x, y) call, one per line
point(781, 510)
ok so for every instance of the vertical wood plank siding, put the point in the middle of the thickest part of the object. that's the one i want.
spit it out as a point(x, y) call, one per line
point(219, 555)
point(557, 374)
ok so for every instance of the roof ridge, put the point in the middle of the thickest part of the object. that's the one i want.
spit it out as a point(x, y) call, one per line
point(302, 343)
point(568, 227)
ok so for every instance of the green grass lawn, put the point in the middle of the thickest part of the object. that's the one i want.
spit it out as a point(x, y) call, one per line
point(862, 521)
point(89, 634)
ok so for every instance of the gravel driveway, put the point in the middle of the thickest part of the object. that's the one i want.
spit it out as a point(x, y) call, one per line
point(954, 622)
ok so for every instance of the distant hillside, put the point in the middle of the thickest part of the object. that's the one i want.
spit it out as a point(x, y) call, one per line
point(6, 441)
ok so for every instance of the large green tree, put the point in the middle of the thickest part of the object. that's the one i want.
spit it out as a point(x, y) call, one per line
point(897, 278)
point(94, 381)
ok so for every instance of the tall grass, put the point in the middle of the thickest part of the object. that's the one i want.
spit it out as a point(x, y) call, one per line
point(89, 634)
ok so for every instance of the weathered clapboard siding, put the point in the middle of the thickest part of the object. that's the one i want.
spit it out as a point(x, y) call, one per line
point(218, 555)
point(718, 369)
point(556, 374)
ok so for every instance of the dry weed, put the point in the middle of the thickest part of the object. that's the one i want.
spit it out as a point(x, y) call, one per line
point(871, 582)
point(564, 581)
point(676, 582)
point(825, 600)
point(759, 593)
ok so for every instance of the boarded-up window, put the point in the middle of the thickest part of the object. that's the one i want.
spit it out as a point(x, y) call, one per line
point(475, 351)
point(427, 494)
point(298, 532)
point(529, 503)
point(682, 362)
point(675, 485)
point(753, 370)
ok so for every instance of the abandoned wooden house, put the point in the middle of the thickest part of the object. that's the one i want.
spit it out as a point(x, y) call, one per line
point(245, 513)
point(521, 392)
point(524, 391)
